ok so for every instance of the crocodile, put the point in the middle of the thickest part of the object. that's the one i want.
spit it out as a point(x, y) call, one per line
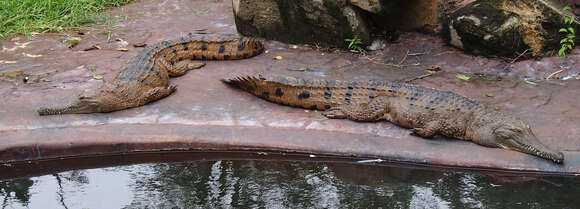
point(145, 78)
point(428, 112)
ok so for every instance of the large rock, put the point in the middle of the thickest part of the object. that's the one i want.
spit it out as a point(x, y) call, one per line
point(506, 28)
point(323, 22)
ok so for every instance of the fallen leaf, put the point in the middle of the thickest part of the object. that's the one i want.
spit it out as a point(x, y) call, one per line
point(73, 43)
point(93, 47)
point(140, 45)
point(489, 95)
point(98, 77)
point(462, 77)
point(303, 68)
point(530, 82)
point(277, 57)
point(434, 68)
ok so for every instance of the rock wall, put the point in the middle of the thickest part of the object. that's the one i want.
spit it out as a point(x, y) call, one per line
point(329, 22)
point(496, 28)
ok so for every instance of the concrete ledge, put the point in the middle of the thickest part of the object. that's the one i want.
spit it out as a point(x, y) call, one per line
point(47, 143)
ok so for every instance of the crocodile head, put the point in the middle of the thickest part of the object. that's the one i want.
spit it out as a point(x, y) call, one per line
point(513, 134)
point(89, 101)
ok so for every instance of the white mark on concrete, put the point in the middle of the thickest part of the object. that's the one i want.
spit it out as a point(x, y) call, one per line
point(139, 119)
point(31, 55)
point(18, 46)
point(250, 123)
point(221, 25)
point(195, 108)
point(287, 124)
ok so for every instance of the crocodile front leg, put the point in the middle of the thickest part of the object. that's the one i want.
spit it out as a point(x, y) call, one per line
point(373, 111)
point(155, 94)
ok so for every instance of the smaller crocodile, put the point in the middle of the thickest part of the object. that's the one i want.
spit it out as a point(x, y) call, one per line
point(145, 78)
point(426, 111)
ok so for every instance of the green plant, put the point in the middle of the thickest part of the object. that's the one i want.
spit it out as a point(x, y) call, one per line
point(355, 44)
point(567, 43)
point(38, 16)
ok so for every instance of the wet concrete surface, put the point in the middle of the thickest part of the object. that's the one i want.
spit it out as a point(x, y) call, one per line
point(204, 114)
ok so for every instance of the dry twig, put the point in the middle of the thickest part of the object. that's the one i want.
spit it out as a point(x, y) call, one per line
point(419, 77)
point(554, 73)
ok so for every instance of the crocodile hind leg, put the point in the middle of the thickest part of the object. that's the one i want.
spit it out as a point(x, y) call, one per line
point(181, 67)
point(373, 111)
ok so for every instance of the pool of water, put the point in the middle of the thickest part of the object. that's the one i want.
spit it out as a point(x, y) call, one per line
point(284, 184)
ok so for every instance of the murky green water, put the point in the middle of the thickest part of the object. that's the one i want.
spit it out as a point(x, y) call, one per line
point(284, 184)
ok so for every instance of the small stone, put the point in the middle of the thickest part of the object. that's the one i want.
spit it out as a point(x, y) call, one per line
point(378, 44)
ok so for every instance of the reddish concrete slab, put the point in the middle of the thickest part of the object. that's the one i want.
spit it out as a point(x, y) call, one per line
point(204, 114)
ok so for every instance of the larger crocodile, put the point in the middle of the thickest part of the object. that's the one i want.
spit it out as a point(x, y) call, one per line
point(145, 78)
point(427, 111)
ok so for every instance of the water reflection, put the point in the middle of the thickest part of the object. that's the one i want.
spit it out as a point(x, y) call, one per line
point(16, 190)
point(283, 184)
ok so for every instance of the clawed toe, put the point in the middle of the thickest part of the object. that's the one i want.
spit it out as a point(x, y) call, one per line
point(416, 130)
point(334, 113)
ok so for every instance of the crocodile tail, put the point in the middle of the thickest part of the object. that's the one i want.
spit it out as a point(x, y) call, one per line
point(308, 94)
point(247, 82)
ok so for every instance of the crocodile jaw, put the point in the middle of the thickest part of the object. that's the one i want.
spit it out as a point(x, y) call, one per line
point(523, 140)
point(87, 102)
point(539, 150)
point(76, 107)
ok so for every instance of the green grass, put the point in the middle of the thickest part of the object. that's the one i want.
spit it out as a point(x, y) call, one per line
point(27, 16)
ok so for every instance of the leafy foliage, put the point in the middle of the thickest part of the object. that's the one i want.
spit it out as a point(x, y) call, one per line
point(355, 44)
point(567, 43)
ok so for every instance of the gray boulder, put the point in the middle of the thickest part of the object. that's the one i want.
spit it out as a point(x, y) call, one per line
point(506, 28)
point(323, 22)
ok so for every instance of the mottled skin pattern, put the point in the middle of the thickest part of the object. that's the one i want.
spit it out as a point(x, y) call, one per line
point(426, 111)
point(145, 78)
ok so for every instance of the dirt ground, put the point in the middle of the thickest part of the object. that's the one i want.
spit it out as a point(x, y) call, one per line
point(204, 114)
